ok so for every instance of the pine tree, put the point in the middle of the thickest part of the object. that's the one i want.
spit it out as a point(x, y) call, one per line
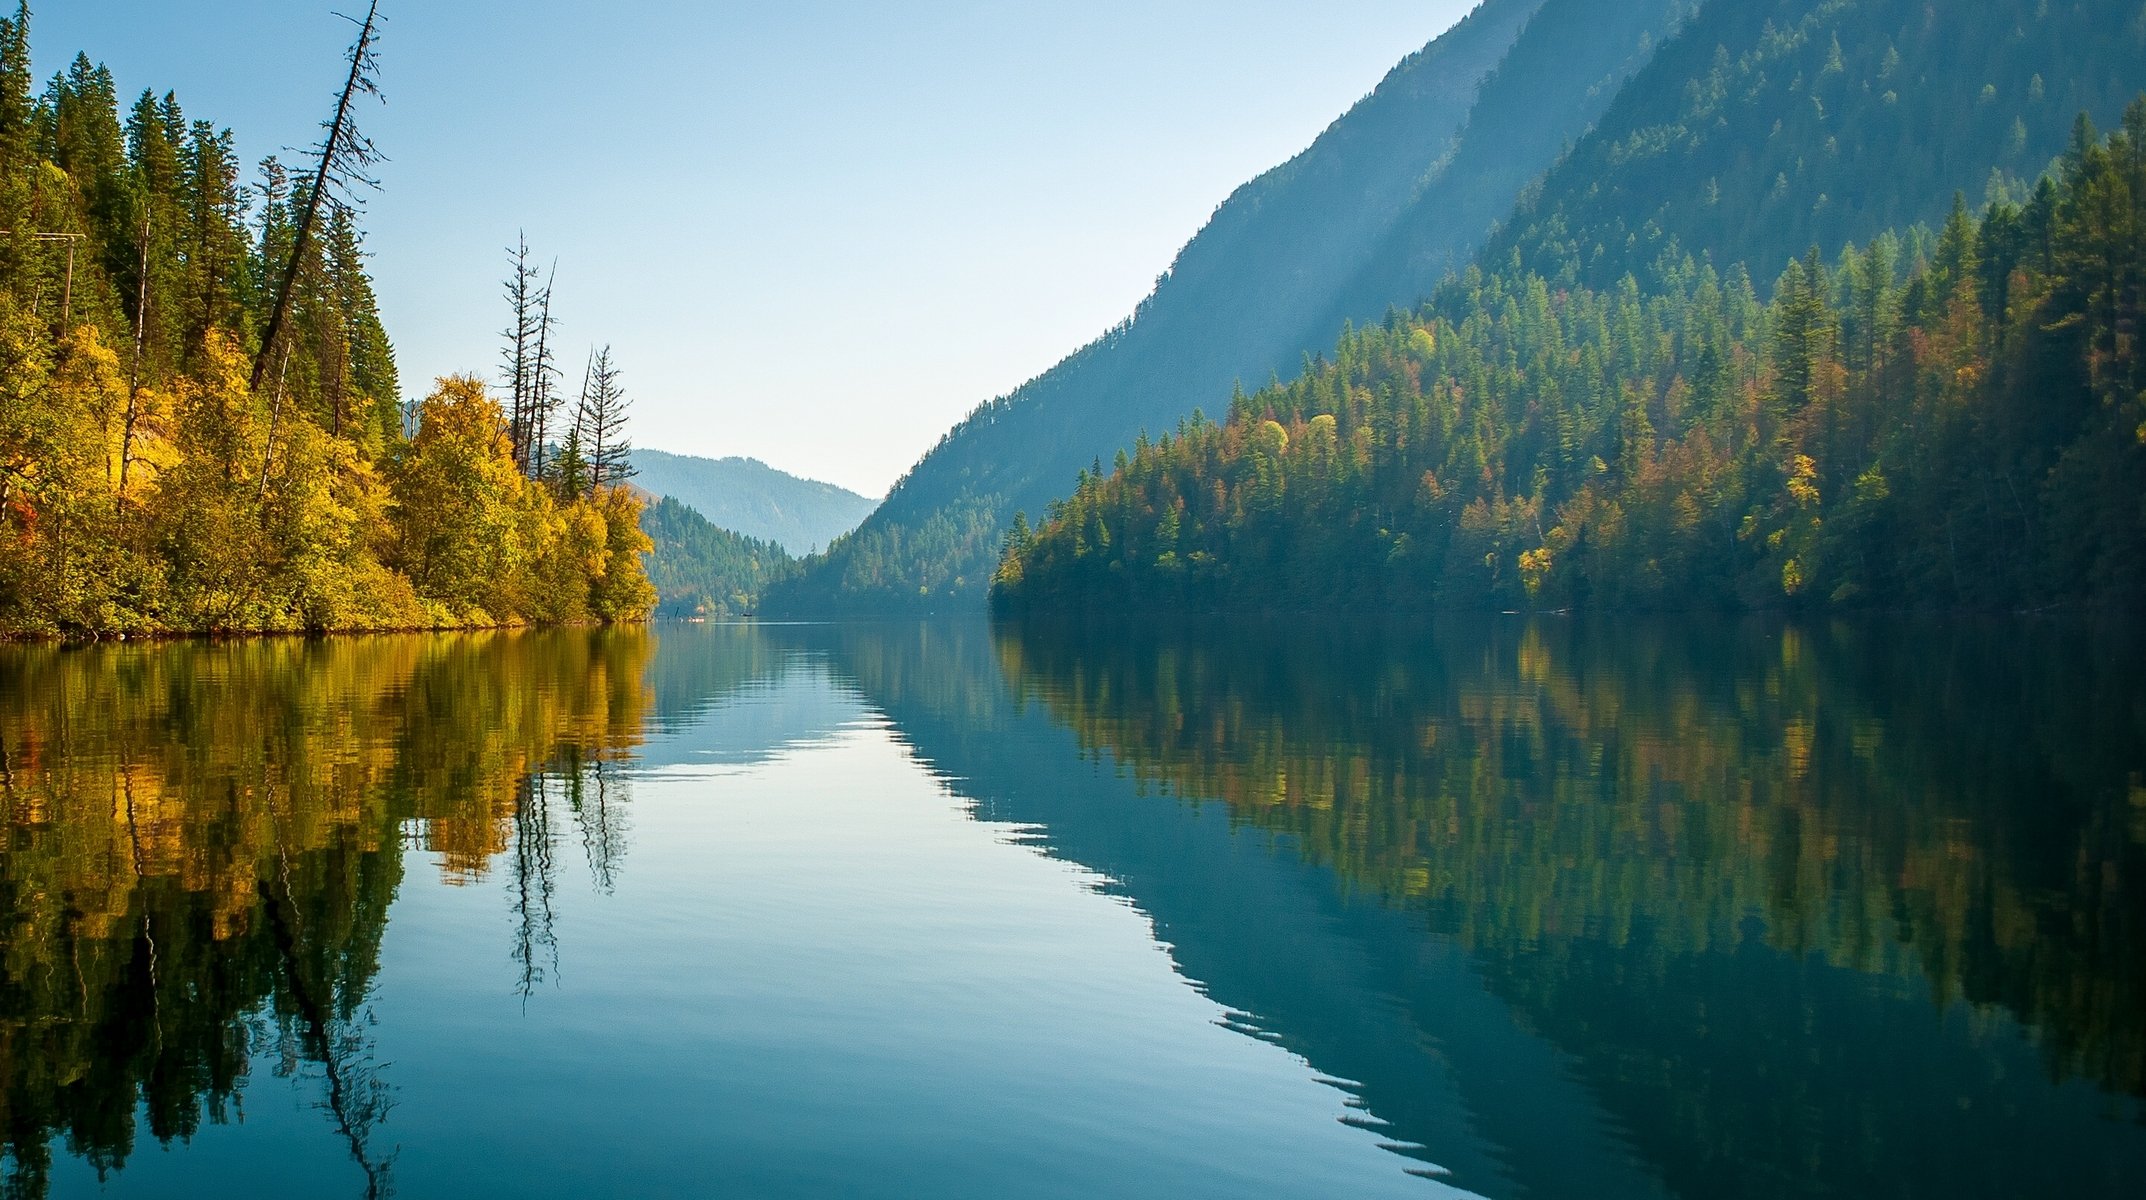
point(600, 423)
point(17, 113)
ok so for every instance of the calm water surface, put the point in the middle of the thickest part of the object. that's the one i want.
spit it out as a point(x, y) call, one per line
point(1502, 908)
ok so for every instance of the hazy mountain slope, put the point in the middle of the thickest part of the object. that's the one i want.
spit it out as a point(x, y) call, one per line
point(1770, 126)
point(1570, 64)
point(1267, 282)
point(749, 497)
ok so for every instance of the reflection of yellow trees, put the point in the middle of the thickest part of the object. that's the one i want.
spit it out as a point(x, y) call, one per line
point(194, 830)
point(1914, 806)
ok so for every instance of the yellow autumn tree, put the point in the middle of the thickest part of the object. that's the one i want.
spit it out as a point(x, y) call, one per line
point(58, 403)
point(483, 545)
point(459, 501)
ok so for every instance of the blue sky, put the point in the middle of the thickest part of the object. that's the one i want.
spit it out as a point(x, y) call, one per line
point(816, 233)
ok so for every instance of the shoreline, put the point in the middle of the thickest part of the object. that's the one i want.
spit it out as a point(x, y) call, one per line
point(168, 636)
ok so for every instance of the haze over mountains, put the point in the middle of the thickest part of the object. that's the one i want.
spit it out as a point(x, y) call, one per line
point(1586, 138)
point(746, 496)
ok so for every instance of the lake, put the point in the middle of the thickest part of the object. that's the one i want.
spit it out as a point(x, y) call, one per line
point(1496, 907)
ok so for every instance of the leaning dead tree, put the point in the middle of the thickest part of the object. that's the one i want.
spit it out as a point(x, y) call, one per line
point(342, 164)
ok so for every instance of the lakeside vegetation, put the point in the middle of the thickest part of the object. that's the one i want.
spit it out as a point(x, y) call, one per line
point(201, 425)
point(1953, 419)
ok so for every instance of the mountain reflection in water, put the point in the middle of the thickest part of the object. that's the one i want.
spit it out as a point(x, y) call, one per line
point(1654, 909)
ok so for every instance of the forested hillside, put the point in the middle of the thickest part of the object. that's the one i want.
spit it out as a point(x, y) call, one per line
point(201, 427)
point(703, 570)
point(749, 497)
point(1770, 126)
point(1948, 420)
point(1397, 193)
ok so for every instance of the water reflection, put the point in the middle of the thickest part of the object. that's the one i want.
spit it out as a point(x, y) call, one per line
point(203, 842)
point(1847, 910)
point(1651, 910)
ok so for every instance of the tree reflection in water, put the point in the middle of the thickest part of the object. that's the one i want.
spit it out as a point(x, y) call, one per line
point(203, 841)
point(1675, 848)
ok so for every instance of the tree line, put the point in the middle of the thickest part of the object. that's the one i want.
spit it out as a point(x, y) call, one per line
point(1951, 418)
point(201, 425)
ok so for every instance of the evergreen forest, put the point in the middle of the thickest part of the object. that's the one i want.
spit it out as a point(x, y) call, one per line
point(702, 570)
point(201, 425)
point(1950, 418)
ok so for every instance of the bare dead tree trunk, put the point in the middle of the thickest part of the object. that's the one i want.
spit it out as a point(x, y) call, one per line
point(344, 155)
point(522, 301)
point(268, 446)
point(541, 402)
point(134, 381)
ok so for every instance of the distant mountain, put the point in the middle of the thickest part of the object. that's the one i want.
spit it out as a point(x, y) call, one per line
point(1395, 194)
point(749, 497)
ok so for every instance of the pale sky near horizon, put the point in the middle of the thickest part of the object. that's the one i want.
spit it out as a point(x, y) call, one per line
point(814, 233)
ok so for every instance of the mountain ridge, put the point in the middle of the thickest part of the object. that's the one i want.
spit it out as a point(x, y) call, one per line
point(1600, 142)
point(748, 497)
point(1253, 293)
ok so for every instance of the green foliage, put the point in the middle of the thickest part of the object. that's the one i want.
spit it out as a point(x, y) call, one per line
point(485, 545)
point(700, 570)
point(1769, 126)
point(145, 486)
point(1973, 435)
point(886, 564)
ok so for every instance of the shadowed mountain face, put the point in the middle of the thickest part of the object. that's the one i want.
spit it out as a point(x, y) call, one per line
point(1772, 126)
point(746, 496)
point(1738, 910)
point(1399, 191)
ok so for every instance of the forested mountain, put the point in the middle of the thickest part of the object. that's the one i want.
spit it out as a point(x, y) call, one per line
point(751, 498)
point(200, 422)
point(1969, 433)
point(1394, 195)
point(1738, 134)
point(701, 570)
point(1770, 126)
